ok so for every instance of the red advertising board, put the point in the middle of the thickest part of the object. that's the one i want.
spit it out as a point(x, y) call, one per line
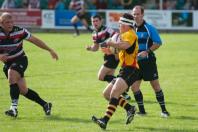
point(25, 18)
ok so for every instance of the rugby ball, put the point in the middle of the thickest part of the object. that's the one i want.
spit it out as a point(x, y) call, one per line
point(116, 39)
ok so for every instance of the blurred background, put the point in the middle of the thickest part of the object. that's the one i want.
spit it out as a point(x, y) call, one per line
point(166, 15)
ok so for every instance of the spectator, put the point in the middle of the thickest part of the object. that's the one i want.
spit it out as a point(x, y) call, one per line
point(44, 4)
point(101, 4)
point(51, 4)
point(151, 4)
point(114, 4)
point(188, 5)
point(60, 5)
point(34, 4)
point(91, 4)
point(127, 4)
point(7, 4)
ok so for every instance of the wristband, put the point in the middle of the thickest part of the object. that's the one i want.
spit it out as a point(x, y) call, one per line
point(149, 51)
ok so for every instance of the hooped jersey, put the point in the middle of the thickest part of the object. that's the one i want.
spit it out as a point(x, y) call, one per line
point(12, 43)
point(128, 57)
point(78, 5)
point(102, 36)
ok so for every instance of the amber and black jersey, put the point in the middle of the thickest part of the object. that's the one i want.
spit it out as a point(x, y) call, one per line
point(128, 57)
point(12, 43)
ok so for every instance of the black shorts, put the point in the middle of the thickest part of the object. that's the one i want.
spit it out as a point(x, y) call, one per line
point(110, 61)
point(129, 74)
point(19, 64)
point(81, 15)
point(148, 69)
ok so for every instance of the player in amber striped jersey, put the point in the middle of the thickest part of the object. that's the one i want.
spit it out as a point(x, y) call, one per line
point(127, 75)
point(100, 36)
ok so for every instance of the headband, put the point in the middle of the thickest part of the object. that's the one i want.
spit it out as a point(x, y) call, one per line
point(127, 21)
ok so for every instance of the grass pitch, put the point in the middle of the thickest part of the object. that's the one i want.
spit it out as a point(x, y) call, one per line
point(71, 85)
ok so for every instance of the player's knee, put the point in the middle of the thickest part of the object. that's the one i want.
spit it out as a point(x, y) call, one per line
point(12, 78)
point(100, 77)
point(23, 91)
point(106, 95)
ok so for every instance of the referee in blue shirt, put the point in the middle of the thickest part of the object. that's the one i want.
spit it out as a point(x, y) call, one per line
point(149, 41)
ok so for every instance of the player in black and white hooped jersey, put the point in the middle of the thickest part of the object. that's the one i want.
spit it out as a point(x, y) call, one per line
point(79, 7)
point(100, 36)
point(16, 62)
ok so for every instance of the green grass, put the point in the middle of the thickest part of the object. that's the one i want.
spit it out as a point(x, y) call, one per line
point(71, 85)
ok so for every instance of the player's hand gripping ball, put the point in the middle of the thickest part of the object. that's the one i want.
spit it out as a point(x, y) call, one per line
point(116, 39)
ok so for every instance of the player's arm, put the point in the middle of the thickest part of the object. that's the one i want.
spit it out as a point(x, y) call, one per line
point(3, 57)
point(153, 47)
point(155, 37)
point(94, 47)
point(123, 45)
point(42, 45)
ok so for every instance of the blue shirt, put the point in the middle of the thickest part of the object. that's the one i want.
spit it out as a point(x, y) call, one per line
point(147, 35)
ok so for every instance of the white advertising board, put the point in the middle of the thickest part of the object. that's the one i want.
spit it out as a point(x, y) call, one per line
point(48, 19)
point(161, 19)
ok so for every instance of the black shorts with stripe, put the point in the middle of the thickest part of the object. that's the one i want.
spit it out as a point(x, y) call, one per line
point(129, 74)
point(148, 69)
point(110, 61)
point(19, 64)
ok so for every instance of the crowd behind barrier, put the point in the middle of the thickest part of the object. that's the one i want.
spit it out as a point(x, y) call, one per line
point(101, 4)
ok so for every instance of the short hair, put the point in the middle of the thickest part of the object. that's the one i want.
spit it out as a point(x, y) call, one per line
point(5, 15)
point(141, 8)
point(97, 16)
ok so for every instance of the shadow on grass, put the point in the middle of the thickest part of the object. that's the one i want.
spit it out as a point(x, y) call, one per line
point(186, 118)
point(147, 102)
point(162, 129)
point(68, 119)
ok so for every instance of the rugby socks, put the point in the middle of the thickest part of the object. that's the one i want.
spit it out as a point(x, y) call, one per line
point(110, 109)
point(139, 99)
point(14, 94)
point(76, 29)
point(109, 78)
point(32, 95)
point(160, 99)
point(123, 103)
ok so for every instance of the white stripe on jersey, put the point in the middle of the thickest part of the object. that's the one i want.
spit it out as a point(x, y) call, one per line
point(18, 32)
point(109, 30)
point(2, 34)
point(12, 45)
point(15, 55)
point(78, 5)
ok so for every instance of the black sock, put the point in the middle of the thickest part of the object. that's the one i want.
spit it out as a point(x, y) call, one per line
point(14, 91)
point(32, 95)
point(139, 99)
point(160, 99)
point(123, 103)
point(110, 109)
point(14, 94)
point(76, 29)
point(109, 78)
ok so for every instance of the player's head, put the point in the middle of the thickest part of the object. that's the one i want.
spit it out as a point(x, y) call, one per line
point(126, 22)
point(138, 14)
point(6, 21)
point(96, 21)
